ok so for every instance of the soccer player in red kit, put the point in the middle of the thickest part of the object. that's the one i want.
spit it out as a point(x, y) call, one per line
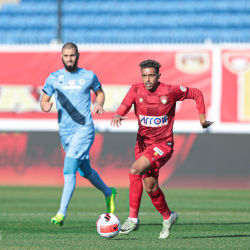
point(154, 105)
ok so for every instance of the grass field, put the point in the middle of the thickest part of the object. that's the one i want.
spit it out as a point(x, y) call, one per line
point(209, 219)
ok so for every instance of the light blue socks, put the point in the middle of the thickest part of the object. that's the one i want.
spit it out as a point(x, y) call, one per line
point(69, 187)
point(96, 180)
point(71, 166)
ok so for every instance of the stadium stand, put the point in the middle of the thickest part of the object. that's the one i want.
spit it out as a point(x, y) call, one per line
point(125, 21)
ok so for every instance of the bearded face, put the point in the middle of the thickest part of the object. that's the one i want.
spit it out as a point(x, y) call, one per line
point(70, 68)
point(70, 59)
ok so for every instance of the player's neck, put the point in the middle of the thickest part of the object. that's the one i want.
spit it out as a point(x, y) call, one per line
point(71, 71)
point(154, 89)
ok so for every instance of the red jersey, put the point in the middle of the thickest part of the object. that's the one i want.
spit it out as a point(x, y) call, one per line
point(155, 111)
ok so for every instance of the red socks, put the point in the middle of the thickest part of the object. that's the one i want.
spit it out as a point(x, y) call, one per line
point(158, 199)
point(135, 193)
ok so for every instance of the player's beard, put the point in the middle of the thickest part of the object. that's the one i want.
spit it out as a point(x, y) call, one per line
point(71, 68)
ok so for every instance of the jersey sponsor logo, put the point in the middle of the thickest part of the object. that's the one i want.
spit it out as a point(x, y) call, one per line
point(183, 89)
point(163, 99)
point(72, 82)
point(141, 99)
point(153, 121)
point(158, 151)
point(81, 81)
point(71, 87)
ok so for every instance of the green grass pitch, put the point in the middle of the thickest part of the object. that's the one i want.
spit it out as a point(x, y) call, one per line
point(208, 219)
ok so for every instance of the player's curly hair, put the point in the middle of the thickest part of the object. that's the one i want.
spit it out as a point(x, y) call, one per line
point(150, 64)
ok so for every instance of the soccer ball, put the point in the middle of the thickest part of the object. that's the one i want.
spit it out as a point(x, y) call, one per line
point(108, 225)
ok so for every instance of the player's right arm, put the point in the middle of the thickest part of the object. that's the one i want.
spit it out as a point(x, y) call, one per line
point(48, 91)
point(123, 109)
point(45, 104)
point(116, 120)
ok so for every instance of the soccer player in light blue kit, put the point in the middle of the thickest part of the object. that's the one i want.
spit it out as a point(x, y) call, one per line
point(71, 87)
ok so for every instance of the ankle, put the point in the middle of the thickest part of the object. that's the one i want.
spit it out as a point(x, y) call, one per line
point(135, 220)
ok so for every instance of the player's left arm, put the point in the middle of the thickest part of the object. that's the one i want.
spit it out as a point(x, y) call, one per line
point(183, 93)
point(100, 98)
point(197, 95)
point(204, 123)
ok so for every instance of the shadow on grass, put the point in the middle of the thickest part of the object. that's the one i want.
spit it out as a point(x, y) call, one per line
point(214, 236)
point(191, 224)
point(125, 239)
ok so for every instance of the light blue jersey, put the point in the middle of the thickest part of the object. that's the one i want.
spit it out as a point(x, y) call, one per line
point(76, 128)
point(72, 95)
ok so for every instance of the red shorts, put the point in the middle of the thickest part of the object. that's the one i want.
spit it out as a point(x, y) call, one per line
point(158, 154)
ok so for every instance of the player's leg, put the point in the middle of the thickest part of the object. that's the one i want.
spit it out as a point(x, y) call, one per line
point(158, 200)
point(157, 196)
point(86, 139)
point(69, 172)
point(141, 166)
point(87, 172)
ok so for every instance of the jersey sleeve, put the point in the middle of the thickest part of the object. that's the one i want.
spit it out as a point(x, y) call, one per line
point(96, 85)
point(182, 93)
point(48, 88)
point(126, 104)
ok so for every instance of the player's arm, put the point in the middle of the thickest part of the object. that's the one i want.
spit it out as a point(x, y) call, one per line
point(45, 104)
point(193, 93)
point(204, 123)
point(117, 120)
point(123, 109)
point(100, 98)
point(197, 95)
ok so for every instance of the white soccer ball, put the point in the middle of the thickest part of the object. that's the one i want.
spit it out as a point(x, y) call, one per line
point(108, 225)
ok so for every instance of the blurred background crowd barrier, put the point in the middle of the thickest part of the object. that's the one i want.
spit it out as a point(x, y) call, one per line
point(200, 44)
point(124, 21)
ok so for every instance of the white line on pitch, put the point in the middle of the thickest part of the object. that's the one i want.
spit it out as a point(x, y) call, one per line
point(141, 214)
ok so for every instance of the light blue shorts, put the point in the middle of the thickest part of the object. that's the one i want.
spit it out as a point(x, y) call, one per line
point(77, 145)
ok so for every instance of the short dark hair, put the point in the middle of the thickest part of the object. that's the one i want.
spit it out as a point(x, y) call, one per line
point(150, 64)
point(70, 46)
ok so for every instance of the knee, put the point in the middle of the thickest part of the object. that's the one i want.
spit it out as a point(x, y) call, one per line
point(134, 170)
point(70, 165)
point(151, 190)
point(85, 169)
point(68, 170)
point(85, 173)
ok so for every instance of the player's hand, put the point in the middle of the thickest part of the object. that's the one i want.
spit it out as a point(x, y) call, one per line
point(116, 120)
point(47, 106)
point(98, 109)
point(206, 124)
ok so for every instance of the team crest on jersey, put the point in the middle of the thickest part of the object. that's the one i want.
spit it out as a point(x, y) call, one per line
point(81, 81)
point(141, 100)
point(163, 99)
point(72, 82)
point(183, 89)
